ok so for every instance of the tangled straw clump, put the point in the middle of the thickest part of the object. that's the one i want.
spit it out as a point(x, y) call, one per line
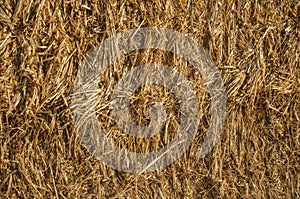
point(255, 46)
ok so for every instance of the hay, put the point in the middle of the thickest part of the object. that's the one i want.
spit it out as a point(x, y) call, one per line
point(255, 46)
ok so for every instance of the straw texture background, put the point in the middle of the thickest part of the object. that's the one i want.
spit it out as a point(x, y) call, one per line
point(255, 45)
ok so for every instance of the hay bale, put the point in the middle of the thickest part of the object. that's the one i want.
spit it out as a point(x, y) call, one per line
point(255, 46)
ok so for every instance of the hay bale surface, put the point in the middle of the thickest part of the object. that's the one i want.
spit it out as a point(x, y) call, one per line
point(255, 46)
